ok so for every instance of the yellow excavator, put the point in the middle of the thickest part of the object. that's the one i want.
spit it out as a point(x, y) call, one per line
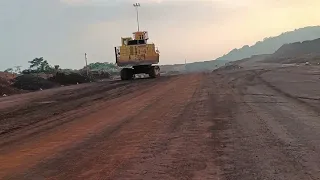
point(136, 56)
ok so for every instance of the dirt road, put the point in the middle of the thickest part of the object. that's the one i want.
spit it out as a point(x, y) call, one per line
point(273, 130)
point(239, 124)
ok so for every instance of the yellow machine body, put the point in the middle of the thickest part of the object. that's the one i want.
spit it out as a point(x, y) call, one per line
point(136, 51)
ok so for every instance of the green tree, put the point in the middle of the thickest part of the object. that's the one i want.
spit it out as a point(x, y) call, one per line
point(40, 65)
point(44, 66)
point(36, 63)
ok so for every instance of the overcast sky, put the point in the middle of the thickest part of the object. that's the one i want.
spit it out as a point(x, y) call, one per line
point(63, 30)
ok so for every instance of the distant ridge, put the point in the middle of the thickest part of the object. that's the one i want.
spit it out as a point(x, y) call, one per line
point(272, 49)
point(272, 44)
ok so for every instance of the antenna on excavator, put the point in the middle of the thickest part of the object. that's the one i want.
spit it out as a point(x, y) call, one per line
point(137, 5)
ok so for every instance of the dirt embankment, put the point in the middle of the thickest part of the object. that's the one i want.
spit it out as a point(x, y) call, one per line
point(13, 84)
point(6, 81)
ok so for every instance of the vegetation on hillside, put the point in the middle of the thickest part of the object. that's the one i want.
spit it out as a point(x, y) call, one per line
point(40, 65)
point(102, 66)
point(42, 75)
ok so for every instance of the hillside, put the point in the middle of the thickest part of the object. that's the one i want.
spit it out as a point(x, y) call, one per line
point(288, 43)
point(263, 49)
point(272, 44)
point(298, 52)
point(299, 48)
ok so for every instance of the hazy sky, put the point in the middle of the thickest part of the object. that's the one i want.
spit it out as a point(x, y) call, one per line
point(63, 30)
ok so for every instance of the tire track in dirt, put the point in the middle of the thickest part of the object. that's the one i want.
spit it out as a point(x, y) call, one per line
point(296, 98)
point(71, 111)
point(184, 149)
point(223, 107)
point(34, 109)
point(299, 145)
point(74, 132)
point(105, 154)
point(259, 141)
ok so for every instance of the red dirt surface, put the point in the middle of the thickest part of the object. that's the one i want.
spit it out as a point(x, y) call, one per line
point(230, 124)
point(7, 76)
point(5, 84)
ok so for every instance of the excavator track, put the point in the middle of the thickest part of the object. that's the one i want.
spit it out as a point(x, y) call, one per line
point(129, 73)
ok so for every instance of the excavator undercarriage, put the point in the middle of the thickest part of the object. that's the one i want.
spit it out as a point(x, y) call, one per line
point(129, 73)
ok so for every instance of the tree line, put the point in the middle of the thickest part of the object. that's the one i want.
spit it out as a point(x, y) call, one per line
point(40, 65)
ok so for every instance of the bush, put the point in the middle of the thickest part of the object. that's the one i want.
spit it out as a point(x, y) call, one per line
point(68, 79)
point(32, 82)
